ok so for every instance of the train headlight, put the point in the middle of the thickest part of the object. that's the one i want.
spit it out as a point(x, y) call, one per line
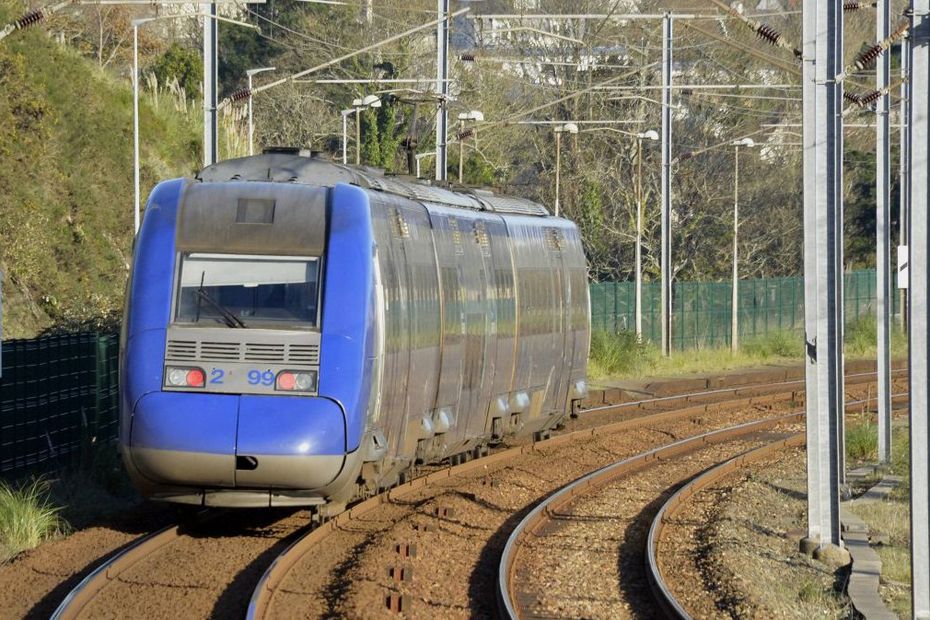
point(296, 381)
point(184, 377)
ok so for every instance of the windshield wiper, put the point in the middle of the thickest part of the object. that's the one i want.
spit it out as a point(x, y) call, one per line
point(229, 318)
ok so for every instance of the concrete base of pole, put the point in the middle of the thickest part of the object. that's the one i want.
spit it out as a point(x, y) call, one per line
point(832, 555)
point(807, 546)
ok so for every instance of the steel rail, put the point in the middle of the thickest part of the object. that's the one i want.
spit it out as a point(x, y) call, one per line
point(599, 477)
point(78, 598)
point(850, 380)
point(137, 550)
point(660, 589)
point(674, 505)
point(260, 601)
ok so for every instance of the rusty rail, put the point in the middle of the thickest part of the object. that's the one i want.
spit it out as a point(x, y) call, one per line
point(259, 604)
point(598, 478)
point(676, 502)
point(260, 601)
point(779, 387)
point(92, 584)
point(78, 598)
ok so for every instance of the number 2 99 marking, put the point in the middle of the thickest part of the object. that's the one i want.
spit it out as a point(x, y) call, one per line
point(217, 375)
point(257, 377)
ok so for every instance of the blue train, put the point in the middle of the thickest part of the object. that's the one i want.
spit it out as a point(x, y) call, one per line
point(300, 333)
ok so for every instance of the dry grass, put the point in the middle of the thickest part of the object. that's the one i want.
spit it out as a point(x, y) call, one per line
point(891, 517)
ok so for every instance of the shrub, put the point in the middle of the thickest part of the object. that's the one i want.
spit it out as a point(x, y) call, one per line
point(775, 344)
point(182, 64)
point(617, 353)
point(27, 517)
point(862, 441)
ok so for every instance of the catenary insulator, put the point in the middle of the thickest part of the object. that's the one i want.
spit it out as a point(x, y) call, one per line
point(768, 33)
point(855, 6)
point(239, 95)
point(30, 19)
point(852, 98)
point(870, 98)
point(867, 57)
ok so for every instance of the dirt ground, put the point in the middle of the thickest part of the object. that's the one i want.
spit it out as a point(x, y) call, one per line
point(748, 555)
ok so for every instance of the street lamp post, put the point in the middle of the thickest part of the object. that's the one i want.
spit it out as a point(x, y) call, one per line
point(420, 156)
point(135, 120)
point(570, 128)
point(370, 101)
point(475, 115)
point(651, 134)
point(249, 75)
point(734, 302)
point(136, 23)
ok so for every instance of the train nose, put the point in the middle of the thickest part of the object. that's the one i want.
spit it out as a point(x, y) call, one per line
point(292, 443)
point(214, 440)
point(185, 439)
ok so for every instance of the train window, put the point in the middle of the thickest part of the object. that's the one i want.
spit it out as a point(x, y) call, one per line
point(239, 290)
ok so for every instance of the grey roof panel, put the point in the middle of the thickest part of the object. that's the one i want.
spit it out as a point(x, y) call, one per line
point(291, 166)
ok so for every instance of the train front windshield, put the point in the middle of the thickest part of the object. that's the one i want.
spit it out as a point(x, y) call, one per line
point(245, 291)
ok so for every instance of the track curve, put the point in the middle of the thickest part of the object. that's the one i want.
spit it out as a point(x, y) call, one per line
point(551, 506)
point(92, 584)
point(660, 589)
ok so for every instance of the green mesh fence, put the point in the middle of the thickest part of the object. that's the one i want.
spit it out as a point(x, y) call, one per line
point(59, 393)
point(701, 311)
point(56, 395)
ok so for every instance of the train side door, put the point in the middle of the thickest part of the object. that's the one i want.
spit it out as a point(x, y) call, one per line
point(481, 328)
point(449, 243)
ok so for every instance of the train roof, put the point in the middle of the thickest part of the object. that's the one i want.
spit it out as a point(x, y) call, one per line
point(292, 166)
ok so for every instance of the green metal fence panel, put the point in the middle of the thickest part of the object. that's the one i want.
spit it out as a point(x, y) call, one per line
point(56, 394)
point(702, 311)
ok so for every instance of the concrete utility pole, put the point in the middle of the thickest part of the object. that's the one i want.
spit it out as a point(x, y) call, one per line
point(570, 128)
point(442, 88)
point(249, 74)
point(904, 174)
point(883, 233)
point(823, 245)
point(666, 254)
point(210, 146)
point(918, 327)
point(734, 300)
point(650, 134)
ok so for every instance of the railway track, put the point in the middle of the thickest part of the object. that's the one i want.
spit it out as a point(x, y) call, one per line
point(360, 563)
point(676, 504)
point(204, 568)
point(409, 549)
point(579, 525)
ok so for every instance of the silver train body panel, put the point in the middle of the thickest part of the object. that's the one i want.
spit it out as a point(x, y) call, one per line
point(479, 329)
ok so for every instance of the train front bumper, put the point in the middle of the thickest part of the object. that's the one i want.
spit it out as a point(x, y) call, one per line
point(230, 450)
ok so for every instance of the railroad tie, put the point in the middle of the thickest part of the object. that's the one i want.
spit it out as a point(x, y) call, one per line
point(396, 602)
point(400, 573)
point(407, 550)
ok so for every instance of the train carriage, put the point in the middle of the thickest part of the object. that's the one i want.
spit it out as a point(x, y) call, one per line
point(298, 332)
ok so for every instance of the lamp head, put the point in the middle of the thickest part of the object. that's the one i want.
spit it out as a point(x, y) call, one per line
point(651, 134)
point(474, 115)
point(747, 142)
point(259, 70)
point(567, 128)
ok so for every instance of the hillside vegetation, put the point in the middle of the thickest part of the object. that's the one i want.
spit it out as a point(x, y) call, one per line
point(66, 200)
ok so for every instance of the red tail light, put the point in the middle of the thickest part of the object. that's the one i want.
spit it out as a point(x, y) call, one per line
point(195, 377)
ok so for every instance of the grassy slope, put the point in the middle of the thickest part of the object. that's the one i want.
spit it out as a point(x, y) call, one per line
point(66, 181)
